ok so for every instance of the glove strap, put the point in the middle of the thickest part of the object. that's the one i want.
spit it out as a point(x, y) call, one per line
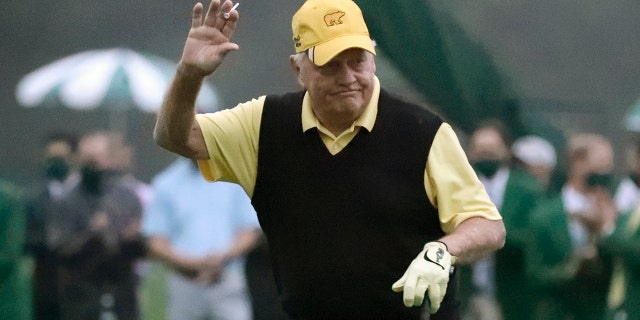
point(441, 245)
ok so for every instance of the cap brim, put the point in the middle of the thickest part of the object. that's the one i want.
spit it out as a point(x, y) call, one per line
point(322, 53)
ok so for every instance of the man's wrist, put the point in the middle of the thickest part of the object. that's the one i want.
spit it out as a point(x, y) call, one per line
point(437, 244)
point(189, 73)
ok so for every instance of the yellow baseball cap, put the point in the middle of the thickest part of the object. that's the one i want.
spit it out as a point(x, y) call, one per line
point(328, 27)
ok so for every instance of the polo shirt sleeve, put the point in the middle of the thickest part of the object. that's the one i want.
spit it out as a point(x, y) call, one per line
point(451, 184)
point(231, 137)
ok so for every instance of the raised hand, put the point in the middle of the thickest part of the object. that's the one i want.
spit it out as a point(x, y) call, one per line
point(208, 41)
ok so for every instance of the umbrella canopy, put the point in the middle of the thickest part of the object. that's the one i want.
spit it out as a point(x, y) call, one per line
point(114, 78)
point(632, 119)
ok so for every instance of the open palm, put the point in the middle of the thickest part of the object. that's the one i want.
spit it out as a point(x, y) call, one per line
point(208, 41)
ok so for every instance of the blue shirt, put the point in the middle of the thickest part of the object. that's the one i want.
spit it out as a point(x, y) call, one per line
point(198, 217)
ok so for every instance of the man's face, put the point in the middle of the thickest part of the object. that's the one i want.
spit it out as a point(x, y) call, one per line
point(57, 159)
point(57, 149)
point(94, 151)
point(487, 144)
point(598, 168)
point(344, 85)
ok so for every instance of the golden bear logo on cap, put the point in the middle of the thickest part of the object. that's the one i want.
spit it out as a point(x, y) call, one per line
point(333, 19)
point(325, 28)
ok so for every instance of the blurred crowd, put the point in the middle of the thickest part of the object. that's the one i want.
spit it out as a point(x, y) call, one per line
point(89, 240)
point(573, 231)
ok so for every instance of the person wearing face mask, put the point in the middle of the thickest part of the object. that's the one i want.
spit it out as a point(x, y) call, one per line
point(571, 273)
point(497, 283)
point(627, 192)
point(58, 177)
point(96, 234)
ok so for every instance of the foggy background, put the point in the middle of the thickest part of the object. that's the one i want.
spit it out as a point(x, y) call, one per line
point(575, 63)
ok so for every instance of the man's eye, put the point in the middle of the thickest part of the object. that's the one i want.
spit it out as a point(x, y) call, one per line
point(329, 67)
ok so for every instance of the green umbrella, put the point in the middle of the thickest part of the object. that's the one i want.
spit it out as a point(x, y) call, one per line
point(115, 78)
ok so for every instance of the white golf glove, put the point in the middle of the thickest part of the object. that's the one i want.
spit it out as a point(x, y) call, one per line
point(429, 272)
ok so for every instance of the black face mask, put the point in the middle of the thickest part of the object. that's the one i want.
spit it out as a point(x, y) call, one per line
point(635, 177)
point(91, 178)
point(56, 168)
point(487, 168)
point(600, 180)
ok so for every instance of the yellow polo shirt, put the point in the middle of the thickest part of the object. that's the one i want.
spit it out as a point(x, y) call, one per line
point(450, 183)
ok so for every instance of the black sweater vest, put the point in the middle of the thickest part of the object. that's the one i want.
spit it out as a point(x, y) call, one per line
point(343, 228)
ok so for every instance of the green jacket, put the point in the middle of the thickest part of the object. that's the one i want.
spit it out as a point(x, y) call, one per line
point(624, 246)
point(521, 195)
point(14, 273)
point(563, 288)
point(522, 192)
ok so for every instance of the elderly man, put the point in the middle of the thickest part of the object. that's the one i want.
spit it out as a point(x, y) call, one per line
point(349, 181)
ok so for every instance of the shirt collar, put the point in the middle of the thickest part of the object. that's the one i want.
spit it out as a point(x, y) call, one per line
point(366, 120)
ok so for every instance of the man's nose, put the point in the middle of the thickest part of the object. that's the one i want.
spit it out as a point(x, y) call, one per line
point(345, 74)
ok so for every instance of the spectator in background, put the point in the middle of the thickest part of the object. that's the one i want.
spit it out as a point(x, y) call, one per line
point(624, 289)
point(59, 177)
point(628, 191)
point(95, 232)
point(499, 281)
point(571, 273)
point(14, 292)
point(537, 156)
point(202, 232)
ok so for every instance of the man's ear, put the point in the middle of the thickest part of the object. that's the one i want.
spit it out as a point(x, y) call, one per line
point(294, 65)
point(296, 68)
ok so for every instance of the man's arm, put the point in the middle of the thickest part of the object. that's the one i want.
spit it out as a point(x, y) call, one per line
point(206, 46)
point(475, 238)
point(160, 248)
point(244, 242)
point(429, 271)
point(176, 128)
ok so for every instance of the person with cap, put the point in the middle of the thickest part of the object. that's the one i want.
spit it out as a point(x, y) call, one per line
point(366, 200)
point(537, 156)
point(627, 192)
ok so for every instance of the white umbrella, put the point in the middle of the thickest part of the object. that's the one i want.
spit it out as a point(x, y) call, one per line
point(114, 78)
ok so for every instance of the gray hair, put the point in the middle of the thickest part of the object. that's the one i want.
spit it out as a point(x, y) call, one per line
point(299, 57)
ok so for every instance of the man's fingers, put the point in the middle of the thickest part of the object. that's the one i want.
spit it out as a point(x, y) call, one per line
point(409, 295)
point(196, 19)
point(230, 25)
point(435, 298)
point(221, 21)
point(212, 14)
point(421, 289)
point(399, 285)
